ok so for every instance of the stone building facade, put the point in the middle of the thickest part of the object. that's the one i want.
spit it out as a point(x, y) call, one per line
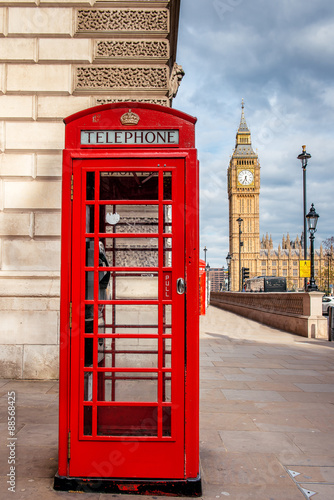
point(258, 254)
point(218, 277)
point(58, 58)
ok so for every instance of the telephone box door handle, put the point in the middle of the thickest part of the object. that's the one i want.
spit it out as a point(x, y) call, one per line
point(180, 286)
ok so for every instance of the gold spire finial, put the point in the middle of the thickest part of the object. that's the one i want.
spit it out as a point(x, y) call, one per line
point(242, 103)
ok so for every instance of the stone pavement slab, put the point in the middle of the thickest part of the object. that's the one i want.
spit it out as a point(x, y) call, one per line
point(267, 408)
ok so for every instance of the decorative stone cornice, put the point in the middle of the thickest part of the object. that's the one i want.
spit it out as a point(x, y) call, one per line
point(130, 20)
point(107, 100)
point(119, 49)
point(121, 78)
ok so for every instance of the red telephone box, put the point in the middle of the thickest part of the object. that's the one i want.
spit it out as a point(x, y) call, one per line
point(129, 347)
point(202, 287)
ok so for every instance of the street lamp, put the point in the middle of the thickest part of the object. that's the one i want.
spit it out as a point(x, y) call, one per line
point(312, 220)
point(239, 221)
point(205, 250)
point(228, 260)
point(304, 157)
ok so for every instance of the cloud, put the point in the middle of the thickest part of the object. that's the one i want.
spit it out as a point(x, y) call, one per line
point(278, 57)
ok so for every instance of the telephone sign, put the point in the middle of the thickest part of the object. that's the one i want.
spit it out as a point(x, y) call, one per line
point(129, 357)
point(134, 137)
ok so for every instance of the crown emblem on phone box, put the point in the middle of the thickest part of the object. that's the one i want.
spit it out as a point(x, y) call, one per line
point(129, 118)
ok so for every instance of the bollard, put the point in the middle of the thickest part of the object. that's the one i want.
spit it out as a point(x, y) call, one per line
point(331, 323)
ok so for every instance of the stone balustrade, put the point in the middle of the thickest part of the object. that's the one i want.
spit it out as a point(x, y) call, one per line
point(299, 313)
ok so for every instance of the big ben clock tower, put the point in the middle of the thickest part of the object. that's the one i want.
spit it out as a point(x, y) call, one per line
point(243, 194)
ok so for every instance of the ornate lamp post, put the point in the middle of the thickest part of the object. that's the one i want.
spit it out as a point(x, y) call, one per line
point(304, 157)
point(205, 250)
point(239, 221)
point(312, 219)
point(228, 260)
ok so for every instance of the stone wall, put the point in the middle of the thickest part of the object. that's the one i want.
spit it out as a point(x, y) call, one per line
point(58, 58)
point(299, 313)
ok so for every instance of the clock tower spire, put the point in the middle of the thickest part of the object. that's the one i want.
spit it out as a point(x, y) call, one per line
point(243, 193)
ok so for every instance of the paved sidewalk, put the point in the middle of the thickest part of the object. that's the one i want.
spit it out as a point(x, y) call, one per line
point(267, 408)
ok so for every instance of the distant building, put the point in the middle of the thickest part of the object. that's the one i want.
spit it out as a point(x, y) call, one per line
point(218, 277)
point(259, 255)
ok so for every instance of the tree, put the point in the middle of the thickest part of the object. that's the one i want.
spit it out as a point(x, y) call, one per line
point(328, 244)
point(327, 272)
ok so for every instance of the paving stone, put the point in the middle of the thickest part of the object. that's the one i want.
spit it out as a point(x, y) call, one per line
point(270, 385)
point(258, 442)
point(314, 443)
point(234, 468)
point(246, 377)
point(252, 395)
point(322, 491)
point(307, 474)
point(279, 423)
point(309, 397)
point(320, 387)
point(227, 421)
point(250, 492)
point(35, 435)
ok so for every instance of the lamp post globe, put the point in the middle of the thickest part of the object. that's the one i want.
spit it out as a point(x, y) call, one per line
point(312, 220)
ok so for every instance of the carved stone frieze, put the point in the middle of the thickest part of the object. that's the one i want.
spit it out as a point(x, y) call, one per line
point(92, 20)
point(102, 100)
point(119, 77)
point(132, 48)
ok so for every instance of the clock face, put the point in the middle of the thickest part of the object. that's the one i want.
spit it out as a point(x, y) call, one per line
point(245, 177)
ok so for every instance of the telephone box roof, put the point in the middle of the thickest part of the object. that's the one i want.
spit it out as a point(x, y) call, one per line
point(130, 105)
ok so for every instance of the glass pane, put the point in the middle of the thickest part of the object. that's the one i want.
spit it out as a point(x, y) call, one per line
point(167, 219)
point(129, 219)
point(167, 185)
point(127, 386)
point(89, 317)
point(127, 421)
point(167, 319)
point(100, 351)
point(167, 353)
point(90, 285)
point(129, 353)
point(129, 186)
point(87, 420)
point(167, 252)
point(90, 218)
point(89, 352)
point(134, 286)
point(167, 388)
point(131, 318)
point(90, 252)
point(88, 386)
point(167, 421)
point(90, 186)
point(132, 252)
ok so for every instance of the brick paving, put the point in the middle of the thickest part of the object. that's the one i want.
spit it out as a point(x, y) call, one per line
point(267, 418)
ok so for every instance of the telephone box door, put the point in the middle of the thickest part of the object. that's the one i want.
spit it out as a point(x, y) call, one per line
point(128, 318)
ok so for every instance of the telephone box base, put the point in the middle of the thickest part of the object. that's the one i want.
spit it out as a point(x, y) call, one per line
point(187, 487)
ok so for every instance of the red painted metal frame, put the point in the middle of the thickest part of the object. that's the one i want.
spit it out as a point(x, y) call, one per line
point(155, 469)
point(155, 117)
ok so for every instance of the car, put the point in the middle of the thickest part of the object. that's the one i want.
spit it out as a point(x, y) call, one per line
point(327, 301)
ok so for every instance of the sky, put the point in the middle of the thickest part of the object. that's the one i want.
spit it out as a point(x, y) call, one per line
point(278, 55)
